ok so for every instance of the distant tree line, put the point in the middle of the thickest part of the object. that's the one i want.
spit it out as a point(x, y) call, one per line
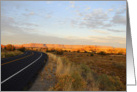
point(10, 47)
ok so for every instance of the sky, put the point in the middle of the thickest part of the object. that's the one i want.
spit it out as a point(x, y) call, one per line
point(64, 22)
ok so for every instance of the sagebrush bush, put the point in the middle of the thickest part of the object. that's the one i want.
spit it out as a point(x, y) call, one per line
point(21, 49)
point(59, 52)
point(120, 53)
point(91, 54)
point(102, 53)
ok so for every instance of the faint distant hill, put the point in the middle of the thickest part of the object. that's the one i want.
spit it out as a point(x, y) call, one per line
point(60, 46)
point(34, 45)
point(80, 48)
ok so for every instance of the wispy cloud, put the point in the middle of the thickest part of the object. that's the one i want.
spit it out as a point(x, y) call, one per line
point(121, 9)
point(109, 40)
point(119, 19)
point(10, 26)
point(95, 19)
point(21, 22)
point(100, 31)
point(98, 19)
point(116, 30)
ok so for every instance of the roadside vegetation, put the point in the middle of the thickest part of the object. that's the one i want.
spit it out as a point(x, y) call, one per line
point(10, 51)
point(5, 54)
point(82, 71)
point(72, 76)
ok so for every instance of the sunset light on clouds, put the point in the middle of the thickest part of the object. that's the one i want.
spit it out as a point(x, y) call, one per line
point(64, 22)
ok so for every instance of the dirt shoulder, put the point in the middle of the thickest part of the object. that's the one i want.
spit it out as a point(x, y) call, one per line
point(46, 79)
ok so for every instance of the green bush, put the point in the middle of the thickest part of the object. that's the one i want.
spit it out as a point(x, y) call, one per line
point(120, 53)
point(22, 49)
point(91, 54)
point(59, 52)
point(102, 53)
point(78, 51)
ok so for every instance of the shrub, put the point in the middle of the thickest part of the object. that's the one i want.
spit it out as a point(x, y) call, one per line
point(59, 52)
point(91, 54)
point(78, 51)
point(50, 50)
point(120, 53)
point(10, 47)
point(102, 53)
point(22, 49)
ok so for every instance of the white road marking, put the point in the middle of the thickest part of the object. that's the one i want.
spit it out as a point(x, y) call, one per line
point(20, 70)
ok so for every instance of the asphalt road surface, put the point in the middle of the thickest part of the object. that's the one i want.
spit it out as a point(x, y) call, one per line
point(17, 71)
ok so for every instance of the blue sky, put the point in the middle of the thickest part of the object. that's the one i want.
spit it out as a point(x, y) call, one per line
point(64, 22)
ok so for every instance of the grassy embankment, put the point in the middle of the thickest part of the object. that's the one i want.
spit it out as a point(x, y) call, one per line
point(5, 54)
point(86, 72)
point(10, 51)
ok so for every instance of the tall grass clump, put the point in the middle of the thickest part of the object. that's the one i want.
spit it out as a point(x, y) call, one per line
point(5, 54)
point(110, 83)
point(85, 70)
point(68, 76)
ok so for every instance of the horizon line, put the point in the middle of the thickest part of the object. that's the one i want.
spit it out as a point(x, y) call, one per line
point(67, 44)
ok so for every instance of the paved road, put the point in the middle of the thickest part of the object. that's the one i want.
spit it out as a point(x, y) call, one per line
point(17, 71)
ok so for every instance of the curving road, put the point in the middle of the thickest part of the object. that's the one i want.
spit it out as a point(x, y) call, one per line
point(17, 71)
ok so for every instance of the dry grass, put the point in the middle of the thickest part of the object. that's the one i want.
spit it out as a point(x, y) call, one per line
point(47, 78)
point(5, 54)
point(76, 71)
point(94, 73)
point(107, 64)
